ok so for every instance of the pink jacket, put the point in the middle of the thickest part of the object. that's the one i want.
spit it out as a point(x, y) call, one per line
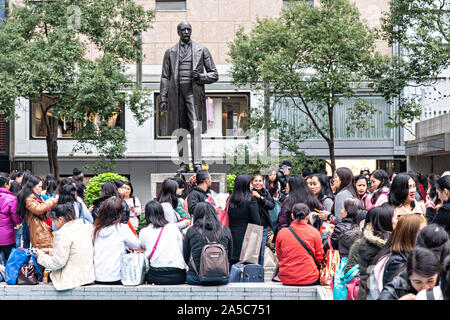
point(8, 217)
point(382, 198)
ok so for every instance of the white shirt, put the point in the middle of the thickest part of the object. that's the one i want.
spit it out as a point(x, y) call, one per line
point(169, 252)
point(172, 216)
point(109, 247)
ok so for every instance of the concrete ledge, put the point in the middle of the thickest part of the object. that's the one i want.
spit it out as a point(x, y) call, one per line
point(231, 291)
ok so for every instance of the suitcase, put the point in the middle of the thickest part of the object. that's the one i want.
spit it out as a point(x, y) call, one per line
point(246, 272)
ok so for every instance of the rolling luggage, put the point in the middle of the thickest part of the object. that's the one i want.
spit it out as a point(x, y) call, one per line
point(246, 272)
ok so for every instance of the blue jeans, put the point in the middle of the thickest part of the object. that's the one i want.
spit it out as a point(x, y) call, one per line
point(193, 279)
point(26, 235)
point(263, 246)
point(19, 237)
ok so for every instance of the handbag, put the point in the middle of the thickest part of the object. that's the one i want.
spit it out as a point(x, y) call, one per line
point(353, 289)
point(342, 289)
point(251, 246)
point(223, 217)
point(16, 260)
point(132, 269)
point(329, 265)
point(275, 212)
point(27, 275)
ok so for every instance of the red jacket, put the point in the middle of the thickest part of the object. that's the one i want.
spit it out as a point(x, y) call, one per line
point(297, 267)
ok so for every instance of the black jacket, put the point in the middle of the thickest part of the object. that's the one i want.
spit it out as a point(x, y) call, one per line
point(339, 230)
point(265, 203)
point(370, 245)
point(195, 196)
point(347, 239)
point(397, 288)
point(98, 202)
point(395, 261)
point(194, 243)
point(283, 182)
point(240, 216)
point(442, 217)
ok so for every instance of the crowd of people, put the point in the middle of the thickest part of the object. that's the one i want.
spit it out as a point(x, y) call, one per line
point(395, 228)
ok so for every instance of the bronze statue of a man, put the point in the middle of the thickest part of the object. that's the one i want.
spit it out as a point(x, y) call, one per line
point(186, 68)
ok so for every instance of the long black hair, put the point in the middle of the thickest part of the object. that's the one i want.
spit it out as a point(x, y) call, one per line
point(325, 186)
point(109, 189)
point(27, 190)
point(399, 189)
point(241, 192)
point(205, 218)
point(168, 192)
point(347, 181)
point(67, 194)
point(154, 214)
point(381, 175)
point(300, 192)
point(271, 190)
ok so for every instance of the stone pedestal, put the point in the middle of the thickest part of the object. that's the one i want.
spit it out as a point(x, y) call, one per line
point(219, 181)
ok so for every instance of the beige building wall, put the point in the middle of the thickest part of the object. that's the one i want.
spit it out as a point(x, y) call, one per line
point(215, 22)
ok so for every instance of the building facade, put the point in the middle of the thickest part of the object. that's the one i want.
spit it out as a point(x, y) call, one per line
point(150, 149)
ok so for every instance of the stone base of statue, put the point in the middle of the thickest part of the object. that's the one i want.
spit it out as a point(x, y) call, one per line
point(219, 181)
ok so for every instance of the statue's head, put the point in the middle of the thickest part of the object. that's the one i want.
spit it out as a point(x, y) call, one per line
point(184, 31)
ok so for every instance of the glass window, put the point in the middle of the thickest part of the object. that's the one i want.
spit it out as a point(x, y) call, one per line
point(227, 114)
point(288, 3)
point(65, 126)
point(284, 109)
point(170, 5)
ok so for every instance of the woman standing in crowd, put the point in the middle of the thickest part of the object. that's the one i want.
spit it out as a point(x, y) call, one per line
point(265, 203)
point(442, 216)
point(49, 187)
point(72, 256)
point(379, 188)
point(296, 265)
point(109, 190)
point(206, 228)
point(273, 185)
point(297, 191)
point(344, 183)
point(375, 235)
point(33, 208)
point(361, 183)
point(133, 203)
point(181, 198)
point(349, 213)
point(242, 210)
point(8, 218)
point(421, 273)
point(68, 194)
point(320, 186)
point(111, 237)
point(432, 194)
point(163, 244)
point(402, 196)
point(169, 201)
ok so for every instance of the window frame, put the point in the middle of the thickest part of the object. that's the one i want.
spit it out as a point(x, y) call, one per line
point(285, 4)
point(60, 138)
point(155, 128)
point(171, 10)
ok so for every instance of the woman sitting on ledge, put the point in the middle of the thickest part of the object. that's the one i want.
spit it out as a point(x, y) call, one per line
point(71, 260)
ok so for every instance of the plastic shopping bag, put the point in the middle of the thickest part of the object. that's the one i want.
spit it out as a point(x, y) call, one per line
point(132, 269)
point(16, 260)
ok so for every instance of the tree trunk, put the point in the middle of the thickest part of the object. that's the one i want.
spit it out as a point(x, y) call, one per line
point(51, 124)
point(267, 118)
point(331, 140)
